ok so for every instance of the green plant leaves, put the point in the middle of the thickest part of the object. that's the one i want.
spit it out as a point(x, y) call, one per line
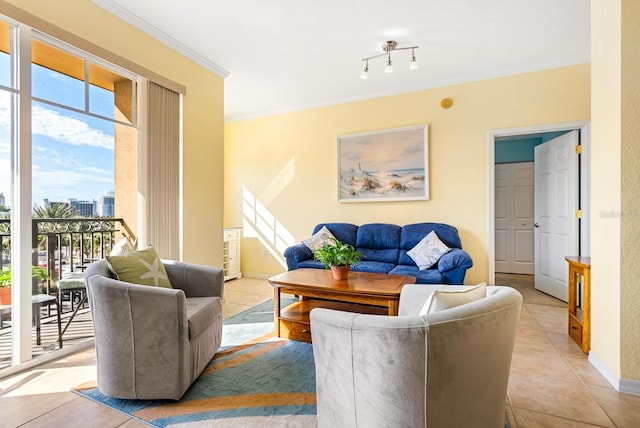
point(337, 253)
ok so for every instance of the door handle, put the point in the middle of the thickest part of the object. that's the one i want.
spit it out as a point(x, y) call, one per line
point(536, 225)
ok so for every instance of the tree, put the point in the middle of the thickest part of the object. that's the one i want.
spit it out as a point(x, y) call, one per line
point(55, 211)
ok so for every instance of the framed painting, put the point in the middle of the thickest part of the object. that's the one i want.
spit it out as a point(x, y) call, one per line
point(386, 165)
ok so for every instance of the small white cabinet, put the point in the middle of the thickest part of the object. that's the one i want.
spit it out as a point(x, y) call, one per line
point(232, 237)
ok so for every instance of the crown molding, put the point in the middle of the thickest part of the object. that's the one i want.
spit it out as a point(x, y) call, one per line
point(159, 35)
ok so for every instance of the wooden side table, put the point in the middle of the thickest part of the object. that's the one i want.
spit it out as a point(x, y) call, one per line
point(580, 301)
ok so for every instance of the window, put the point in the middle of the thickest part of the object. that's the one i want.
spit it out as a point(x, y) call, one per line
point(78, 109)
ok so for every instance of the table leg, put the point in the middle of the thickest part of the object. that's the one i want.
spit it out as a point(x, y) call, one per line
point(393, 307)
point(59, 309)
point(36, 314)
point(276, 310)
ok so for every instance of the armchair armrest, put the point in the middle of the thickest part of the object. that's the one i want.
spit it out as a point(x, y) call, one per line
point(195, 280)
point(455, 259)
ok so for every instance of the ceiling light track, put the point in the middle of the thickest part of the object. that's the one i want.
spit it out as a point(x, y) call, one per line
point(387, 47)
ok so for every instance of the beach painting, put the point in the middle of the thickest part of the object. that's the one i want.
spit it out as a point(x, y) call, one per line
point(387, 165)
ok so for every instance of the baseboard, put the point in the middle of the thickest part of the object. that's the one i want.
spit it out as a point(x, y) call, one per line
point(622, 385)
point(256, 275)
point(630, 386)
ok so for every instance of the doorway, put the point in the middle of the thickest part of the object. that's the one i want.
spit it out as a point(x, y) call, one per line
point(508, 137)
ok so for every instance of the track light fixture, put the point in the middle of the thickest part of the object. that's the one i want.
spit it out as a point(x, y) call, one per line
point(387, 47)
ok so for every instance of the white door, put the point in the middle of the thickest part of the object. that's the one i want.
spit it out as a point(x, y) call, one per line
point(514, 190)
point(556, 204)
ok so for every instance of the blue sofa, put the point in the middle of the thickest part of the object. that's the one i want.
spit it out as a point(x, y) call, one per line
point(385, 249)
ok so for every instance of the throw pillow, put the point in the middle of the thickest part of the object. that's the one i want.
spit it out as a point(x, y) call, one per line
point(140, 267)
point(447, 299)
point(318, 239)
point(122, 248)
point(428, 251)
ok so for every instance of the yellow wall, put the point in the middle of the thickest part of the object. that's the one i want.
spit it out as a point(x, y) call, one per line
point(288, 161)
point(615, 186)
point(630, 183)
point(605, 182)
point(203, 113)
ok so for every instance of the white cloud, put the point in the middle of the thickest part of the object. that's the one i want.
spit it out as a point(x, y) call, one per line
point(58, 173)
point(52, 124)
point(68, 130)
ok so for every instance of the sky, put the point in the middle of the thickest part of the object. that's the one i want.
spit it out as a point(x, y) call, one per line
point(72, 153)
point(384, 151)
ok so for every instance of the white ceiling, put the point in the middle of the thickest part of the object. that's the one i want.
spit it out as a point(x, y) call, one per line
point(284, 55)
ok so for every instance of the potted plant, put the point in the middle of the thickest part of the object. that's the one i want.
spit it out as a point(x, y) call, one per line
point(338, 256)
point(5, 281)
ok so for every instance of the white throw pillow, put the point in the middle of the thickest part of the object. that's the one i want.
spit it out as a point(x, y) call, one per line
point(428, 251)
point(122, 248)
point(447, 299)
point(318, 239)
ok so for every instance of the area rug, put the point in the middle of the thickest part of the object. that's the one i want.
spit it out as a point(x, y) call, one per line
point(270, 383)
point(254, 322)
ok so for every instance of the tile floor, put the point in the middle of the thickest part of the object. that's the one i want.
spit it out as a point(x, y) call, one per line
point(551, 383)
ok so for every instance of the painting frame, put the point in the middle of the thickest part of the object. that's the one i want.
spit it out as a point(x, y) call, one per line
point(396, 165)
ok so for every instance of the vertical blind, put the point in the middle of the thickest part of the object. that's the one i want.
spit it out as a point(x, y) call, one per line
point(163, 174)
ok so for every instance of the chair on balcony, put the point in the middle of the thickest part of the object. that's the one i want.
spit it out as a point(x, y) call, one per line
point(442, 368)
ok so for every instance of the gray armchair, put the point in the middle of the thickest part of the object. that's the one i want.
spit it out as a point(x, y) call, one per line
point(153, 342)
point(445, 369)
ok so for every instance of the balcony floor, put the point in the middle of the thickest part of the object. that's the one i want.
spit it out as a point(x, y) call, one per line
point(80, 330)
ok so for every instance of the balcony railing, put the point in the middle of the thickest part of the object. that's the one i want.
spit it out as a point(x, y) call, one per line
point(65, 244)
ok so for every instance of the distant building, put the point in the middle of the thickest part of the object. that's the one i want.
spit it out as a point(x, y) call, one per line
point(84, 208)
point(106, 205)
point(47, 204)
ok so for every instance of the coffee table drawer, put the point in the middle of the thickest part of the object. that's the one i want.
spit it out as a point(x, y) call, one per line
point(295, 330)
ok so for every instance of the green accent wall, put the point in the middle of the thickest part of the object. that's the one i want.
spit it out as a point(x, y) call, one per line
point(509, 150)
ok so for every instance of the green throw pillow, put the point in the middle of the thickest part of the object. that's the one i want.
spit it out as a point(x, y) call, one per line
point(140, 267)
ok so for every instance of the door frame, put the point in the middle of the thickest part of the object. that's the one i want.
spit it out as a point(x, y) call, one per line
point(584, 126)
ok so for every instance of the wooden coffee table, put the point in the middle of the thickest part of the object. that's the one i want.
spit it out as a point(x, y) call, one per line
point(362, 292)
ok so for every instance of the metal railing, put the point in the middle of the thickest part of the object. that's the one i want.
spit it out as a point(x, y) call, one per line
point(65, 244)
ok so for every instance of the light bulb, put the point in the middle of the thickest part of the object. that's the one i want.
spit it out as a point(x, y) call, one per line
point(365, 73)
point(413, 64)
point(388, 68)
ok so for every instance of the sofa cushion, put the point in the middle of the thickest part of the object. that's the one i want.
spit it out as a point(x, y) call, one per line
point(311, 264)
point(343, 232)
point(201, 313)
point(442, 300)
point(379, 242)
point(318, 239)
point(372, 266)
point(140, 267)
point(428, 251)
point(428, 276)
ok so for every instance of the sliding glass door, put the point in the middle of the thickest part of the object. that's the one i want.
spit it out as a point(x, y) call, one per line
point(62, 112)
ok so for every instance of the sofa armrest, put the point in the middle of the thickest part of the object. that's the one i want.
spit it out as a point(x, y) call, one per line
point(195, 280)
point(296, 254)
point(455, 259)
